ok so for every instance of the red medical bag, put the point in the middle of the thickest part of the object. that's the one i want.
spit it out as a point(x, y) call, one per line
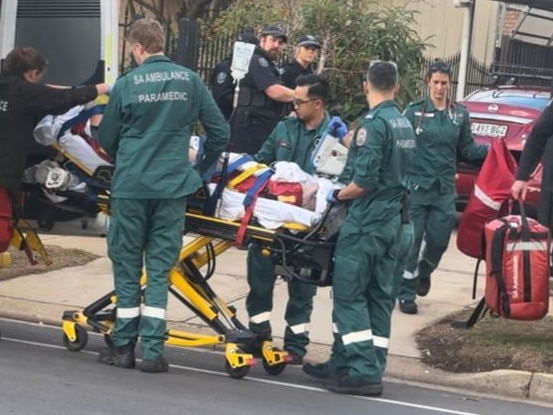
point(517, 267)
point(6, 229)
point(488, 200)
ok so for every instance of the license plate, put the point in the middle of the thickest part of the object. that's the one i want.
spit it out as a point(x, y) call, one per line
point(489, 130)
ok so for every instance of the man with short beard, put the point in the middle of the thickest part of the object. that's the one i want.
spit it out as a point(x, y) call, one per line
point(262, 94)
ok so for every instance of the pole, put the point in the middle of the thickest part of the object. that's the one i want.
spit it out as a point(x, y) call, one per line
point(468, 8)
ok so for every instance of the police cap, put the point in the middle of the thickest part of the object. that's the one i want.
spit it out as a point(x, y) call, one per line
point(275, 31)
point(308, 41)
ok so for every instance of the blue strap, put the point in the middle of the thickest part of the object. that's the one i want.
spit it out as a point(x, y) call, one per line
point(82, 117)
point(243, 159)
point(259, 182)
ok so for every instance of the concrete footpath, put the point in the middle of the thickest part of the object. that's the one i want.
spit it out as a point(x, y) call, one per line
point(43, 298)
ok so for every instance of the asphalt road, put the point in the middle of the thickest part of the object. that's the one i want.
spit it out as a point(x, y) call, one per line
point(39, 376)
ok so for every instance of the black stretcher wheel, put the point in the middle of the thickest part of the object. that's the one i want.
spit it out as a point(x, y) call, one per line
point(273, 370)
point(80, 341)
point(236, 372)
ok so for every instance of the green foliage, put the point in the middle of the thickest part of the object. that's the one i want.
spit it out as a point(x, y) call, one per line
point(351, 33)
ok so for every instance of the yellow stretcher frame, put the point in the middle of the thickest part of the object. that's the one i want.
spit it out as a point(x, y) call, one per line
point(188, 286)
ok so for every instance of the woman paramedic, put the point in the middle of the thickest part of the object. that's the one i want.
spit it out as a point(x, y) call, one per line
point(24, 101)
point(442, 129)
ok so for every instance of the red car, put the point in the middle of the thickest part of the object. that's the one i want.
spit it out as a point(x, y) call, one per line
point(508, 113)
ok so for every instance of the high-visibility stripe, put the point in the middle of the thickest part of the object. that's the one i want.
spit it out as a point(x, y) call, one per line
point(261, 317)
point(128, 312)
point(381, 342)
point(300, 328)
point(408, 275)
point(154, 312)
point(484, 198)
point(526, 246)
point(357, 337)
point(335, 328)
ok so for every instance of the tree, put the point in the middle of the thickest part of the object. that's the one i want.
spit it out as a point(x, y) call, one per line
point(351, 34)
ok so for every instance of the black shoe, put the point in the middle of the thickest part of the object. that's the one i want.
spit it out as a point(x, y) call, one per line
point(118, 356)
point(408, 307)
point(319, 370)
point(159, 365)
point(423, 273)
point(293, 358)
point(354, 386)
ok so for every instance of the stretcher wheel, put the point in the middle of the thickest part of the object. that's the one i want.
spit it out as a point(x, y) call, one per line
point(273, 370)
point(236, 372)
point(80, 341)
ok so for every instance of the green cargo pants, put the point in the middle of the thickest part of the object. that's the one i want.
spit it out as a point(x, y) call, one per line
point(259, 303)
point(143, 232)
point(433, 215)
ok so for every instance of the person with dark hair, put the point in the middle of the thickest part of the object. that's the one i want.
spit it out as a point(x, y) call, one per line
point(262, 95)
point(305, 53)
point(443, 132)
point(293, 139)
point(146, 129)
point(366, 252)
point(222, 83)
point(24, 101)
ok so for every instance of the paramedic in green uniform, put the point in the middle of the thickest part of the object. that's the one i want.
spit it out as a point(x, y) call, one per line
point(146, 128)
point(366, 250)
point(443, 131)
point(293, 139)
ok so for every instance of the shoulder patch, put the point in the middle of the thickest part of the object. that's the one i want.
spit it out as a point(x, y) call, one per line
point(361, 136)
point(263, 62)
point(221, 77)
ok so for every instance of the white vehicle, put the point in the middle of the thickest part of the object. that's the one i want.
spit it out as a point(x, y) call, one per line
point(79, 38)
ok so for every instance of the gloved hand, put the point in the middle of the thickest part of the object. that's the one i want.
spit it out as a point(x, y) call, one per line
point(109, 89)
point(337, 127)
point(331, 197)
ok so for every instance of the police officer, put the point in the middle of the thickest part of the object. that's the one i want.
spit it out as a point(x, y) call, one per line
point(443, 131)
point(146, 128)
point(293, 139)
point(222, 83)
point(23, 102)
point(366, 250)
point(305, 54)
point(260, 103)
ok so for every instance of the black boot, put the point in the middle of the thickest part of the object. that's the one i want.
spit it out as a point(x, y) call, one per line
point(423, 272)
point(320, 370)
point(354, 386)
point(159, 365)
point(408, 307)
point(118, 356)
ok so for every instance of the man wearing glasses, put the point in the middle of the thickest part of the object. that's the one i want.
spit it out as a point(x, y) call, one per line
point(260, 103)
point(293, 139)
point(367, 248)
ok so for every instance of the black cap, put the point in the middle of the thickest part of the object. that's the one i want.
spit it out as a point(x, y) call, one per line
point(248, 36)
point(308, 41)
point(274, 31)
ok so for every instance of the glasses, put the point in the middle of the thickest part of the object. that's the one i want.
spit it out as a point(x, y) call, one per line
point(439, 66)
point(300, 102)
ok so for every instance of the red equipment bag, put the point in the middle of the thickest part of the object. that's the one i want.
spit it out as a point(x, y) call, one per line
point(488, 200)
point(517, 267)
point(6, 228)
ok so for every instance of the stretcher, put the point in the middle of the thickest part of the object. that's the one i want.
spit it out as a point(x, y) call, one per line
point(298, 250)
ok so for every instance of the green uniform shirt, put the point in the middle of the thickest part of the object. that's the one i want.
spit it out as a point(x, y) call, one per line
point(440, 135)
point(146, 128)
point(291, 141)
point(378, 158)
